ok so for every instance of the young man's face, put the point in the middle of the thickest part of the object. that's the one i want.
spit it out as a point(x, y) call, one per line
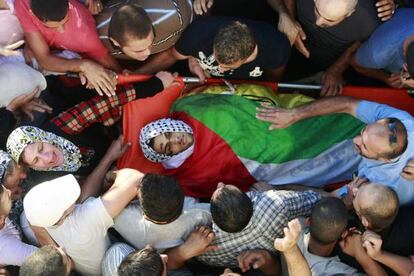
point(139, 49)
point(58, 25)
point(172, 143)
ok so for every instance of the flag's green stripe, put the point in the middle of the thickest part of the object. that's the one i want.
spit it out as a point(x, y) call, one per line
point(234, 119)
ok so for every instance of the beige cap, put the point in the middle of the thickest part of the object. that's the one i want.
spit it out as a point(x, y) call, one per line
point(45, 203)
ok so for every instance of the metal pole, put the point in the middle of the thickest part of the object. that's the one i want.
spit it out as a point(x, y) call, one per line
point(300, 86)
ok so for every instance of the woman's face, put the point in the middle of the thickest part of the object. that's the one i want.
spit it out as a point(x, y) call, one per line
point(5, 201)
point(42, 156)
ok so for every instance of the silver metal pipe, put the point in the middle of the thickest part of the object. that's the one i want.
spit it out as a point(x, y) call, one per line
point(300, 86)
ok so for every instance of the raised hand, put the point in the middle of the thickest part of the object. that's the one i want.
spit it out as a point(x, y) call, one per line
point(292, 233)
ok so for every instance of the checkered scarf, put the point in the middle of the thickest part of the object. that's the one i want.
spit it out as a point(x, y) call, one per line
point(104, 110)
point(156, 128)
point(5, 160)
point(23, 136)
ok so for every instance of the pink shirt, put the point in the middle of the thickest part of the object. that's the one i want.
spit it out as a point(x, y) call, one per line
point(79, 34)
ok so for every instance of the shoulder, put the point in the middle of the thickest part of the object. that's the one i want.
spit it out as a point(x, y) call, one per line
point(81, 14)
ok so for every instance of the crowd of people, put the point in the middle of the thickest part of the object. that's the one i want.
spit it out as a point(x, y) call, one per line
point(232, 179)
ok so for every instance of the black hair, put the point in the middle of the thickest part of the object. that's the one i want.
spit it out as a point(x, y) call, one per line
point(329, 219)
point(231, 209)
point(161, 198)
point(129, 21)
point(46, 261)
point(146, 262)
point(49, 10)
point(234, 42)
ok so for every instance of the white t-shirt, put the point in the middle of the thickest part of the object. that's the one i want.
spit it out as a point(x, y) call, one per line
point(139, 231)
point(83, 234)
point(323, 266)
point(12, 250)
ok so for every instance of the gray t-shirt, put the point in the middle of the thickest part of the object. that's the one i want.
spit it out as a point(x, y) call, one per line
point(139, 231)
point(83, 234)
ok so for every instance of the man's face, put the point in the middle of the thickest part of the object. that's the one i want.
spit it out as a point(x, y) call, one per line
point(227, 67)
point(172, 143)
point(373, 141)
point(14, 179)
point(139, 49)
point(58, 25)
point(328, 13)
point(362, 201)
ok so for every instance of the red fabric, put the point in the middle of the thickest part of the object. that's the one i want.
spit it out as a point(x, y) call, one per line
point(212, 161)
point(79, 35)
point(136, 115)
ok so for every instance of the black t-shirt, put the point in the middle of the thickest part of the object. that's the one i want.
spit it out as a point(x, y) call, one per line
point(197, 41)
point(254, 10)
point(397, 239)
point(327, 44)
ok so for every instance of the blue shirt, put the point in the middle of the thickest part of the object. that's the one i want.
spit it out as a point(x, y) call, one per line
point(384, 49)
point(388, 173)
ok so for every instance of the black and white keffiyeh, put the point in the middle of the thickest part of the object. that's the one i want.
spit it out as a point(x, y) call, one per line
point(156, 128)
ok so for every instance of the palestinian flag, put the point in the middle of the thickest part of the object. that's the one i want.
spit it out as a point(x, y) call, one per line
point(232, 146)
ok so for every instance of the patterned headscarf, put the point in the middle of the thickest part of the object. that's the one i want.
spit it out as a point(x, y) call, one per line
point(23, 136)
point(5, 160)
point(156, 128)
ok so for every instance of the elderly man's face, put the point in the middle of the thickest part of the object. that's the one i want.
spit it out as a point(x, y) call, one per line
point(172, 143)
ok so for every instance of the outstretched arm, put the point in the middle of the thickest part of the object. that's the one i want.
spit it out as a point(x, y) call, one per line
point(93, 184)
point(122, 191)
point(95, 73)
point(281, 117)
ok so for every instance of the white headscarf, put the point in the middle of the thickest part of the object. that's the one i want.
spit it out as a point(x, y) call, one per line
point(23, 136)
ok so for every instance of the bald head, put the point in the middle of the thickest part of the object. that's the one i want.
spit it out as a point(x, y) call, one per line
point(378, 204)
point(332, 12)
